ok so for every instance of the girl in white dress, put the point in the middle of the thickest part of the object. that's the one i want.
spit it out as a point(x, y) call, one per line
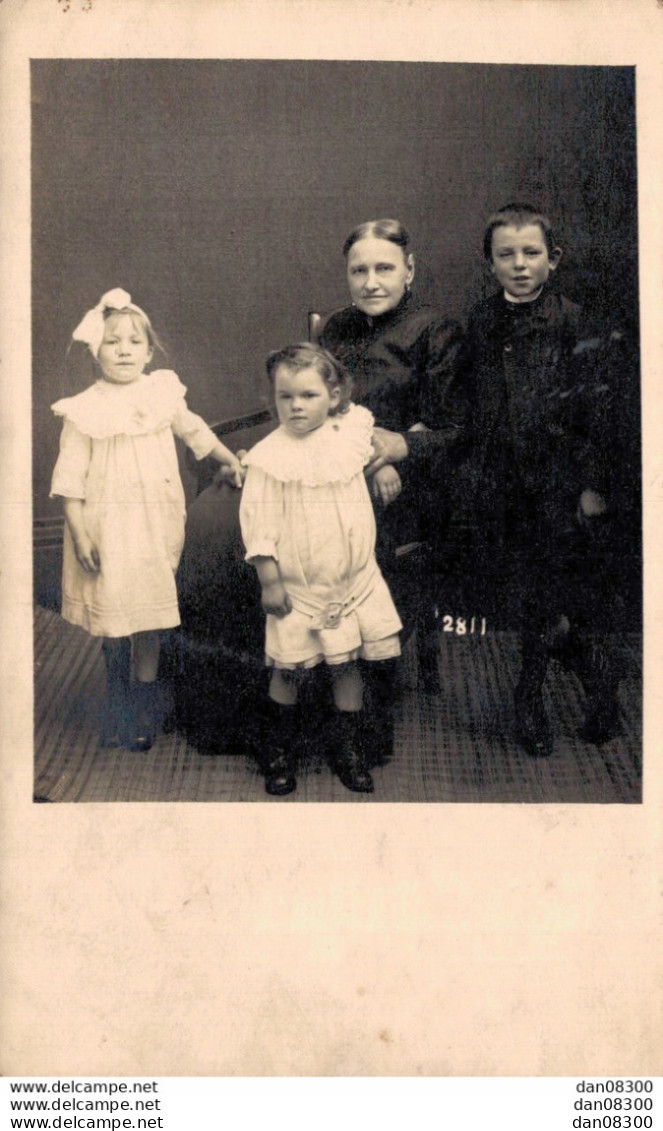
point(124, 506)
point(309, 529)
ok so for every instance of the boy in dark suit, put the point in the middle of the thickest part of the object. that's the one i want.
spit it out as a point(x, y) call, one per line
point(539, 472)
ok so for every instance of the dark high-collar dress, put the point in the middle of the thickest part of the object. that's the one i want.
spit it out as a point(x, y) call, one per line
point(406, 369)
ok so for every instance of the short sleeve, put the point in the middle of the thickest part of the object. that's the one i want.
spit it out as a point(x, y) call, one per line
point(190, 427)
point(261, 512)
point(70, 473)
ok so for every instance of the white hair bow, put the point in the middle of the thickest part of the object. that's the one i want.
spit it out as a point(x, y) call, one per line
point(91, 327)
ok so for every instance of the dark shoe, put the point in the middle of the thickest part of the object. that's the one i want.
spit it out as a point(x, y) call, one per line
point(280, 776)
point(599, 673)
point(349, 760)
point(145, 701)
point(601, 720)
point(533, 726)
point(116, 727)
point(279, 749)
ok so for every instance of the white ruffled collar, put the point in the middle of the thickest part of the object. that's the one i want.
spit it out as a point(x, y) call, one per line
point(147, 404)
point(334, 453)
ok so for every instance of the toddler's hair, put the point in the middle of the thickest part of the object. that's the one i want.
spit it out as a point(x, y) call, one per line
point(518, 216)
point(139, 319)
point(304, 355)
point(391, 230)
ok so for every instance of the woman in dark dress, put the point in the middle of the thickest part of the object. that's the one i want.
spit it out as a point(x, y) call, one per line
point(404, 357)
point(406, 361)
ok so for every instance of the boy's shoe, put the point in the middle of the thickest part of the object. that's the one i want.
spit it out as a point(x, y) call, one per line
point(601, 720)
point(278, 755)
point(533, 725)
point(599, 673)
point(349, 760)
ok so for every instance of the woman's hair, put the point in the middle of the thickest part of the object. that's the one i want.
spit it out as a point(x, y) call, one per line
point(517, 216)
point(304, 355)
point(391, 230)
point(140, 320)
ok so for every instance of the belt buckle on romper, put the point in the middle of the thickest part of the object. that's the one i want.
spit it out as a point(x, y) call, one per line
point(332, 614)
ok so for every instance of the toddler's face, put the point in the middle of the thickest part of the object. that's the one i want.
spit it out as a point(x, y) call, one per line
point(378, 273)
point(520, 259)
point(303, 400)
point(124, 351)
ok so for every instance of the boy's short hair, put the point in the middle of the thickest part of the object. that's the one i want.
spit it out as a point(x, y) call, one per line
point(305, 355)
point(517, 215)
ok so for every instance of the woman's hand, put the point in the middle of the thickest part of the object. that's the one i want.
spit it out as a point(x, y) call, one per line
point(275, 600)
point(387, 484)
point(388, 447)
point(87, 553)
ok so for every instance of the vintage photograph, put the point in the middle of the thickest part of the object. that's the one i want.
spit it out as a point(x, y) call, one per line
point(336, 432)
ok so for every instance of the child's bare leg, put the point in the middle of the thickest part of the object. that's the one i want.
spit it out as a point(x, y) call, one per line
point(349, 756)
point(283, 687)
point(146, 656)
point(348, 687)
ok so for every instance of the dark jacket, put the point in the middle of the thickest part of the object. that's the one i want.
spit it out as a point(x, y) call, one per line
point(542, 385)
point(405, 369)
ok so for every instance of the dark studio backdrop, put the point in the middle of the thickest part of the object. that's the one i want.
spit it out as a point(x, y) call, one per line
point(219, 193)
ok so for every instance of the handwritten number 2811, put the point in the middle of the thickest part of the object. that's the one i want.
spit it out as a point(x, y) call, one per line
point(460, 626)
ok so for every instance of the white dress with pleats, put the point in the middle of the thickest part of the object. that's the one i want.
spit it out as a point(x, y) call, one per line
point(117, 454)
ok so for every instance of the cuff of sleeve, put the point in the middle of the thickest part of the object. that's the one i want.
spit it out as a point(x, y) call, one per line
point(64, 490)
point(201, 449)
point(415, 443)
point(263, 549)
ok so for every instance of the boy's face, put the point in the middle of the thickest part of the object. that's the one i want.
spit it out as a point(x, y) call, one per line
point(520, 259)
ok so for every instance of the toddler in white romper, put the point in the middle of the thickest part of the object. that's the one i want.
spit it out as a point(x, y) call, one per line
point(309, 528)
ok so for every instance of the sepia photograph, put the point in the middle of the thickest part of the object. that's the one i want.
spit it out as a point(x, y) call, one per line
point(331, 477)
point(427, 590)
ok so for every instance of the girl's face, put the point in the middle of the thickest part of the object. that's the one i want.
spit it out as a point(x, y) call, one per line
point(125, 349)
point(303, 400)
point(378, 274)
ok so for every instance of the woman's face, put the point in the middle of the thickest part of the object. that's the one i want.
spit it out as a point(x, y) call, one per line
point(378, 274)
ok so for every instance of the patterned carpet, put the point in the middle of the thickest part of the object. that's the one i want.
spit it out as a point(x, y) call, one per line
point(453, 745)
